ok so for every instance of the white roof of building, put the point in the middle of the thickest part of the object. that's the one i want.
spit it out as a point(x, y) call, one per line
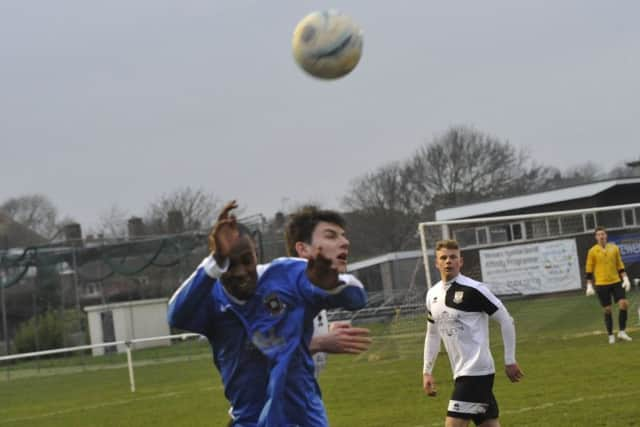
point(536, 199)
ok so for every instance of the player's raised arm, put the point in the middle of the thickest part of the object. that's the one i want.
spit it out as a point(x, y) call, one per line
point(188, 308)
point(224, 233)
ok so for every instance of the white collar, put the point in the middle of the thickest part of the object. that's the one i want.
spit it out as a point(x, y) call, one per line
point(449, 282)
point(231, 297)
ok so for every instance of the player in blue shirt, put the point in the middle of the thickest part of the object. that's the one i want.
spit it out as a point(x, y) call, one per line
point(259, 320)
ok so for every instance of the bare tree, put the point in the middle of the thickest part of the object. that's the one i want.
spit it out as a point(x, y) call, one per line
point(197, 207)
point(34, 211)
point(113, 222)
point(465, 165)
point(462, 165)
point(584, 173)
point(622, 170)
point(383, 211)
point(534, 178)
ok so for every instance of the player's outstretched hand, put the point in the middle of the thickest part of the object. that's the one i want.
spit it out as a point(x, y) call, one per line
point(224, 232)
point(429, 385)
point(321, 273)
point(344, 338)
point(513, 372)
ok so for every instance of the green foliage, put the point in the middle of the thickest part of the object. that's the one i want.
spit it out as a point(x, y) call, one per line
point(41, 332)
point(47, 331)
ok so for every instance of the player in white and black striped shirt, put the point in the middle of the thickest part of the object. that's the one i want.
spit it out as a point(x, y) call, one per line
point(458, 310)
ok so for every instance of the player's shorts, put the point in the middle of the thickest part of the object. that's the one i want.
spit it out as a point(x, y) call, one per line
point(473, 399)
point(606, 292)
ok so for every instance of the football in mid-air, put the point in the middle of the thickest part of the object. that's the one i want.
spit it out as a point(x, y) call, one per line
point(327, 44)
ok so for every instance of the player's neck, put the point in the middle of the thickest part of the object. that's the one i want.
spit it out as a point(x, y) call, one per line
point(447, 279)
point(602, 245)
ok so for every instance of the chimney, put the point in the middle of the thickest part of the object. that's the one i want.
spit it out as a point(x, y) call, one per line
point(135, 227)
point(175, 222)
point(73, 233)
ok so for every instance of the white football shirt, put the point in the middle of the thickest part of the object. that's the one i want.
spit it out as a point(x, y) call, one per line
point(458, 313)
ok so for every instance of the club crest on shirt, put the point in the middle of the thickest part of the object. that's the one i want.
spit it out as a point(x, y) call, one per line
point(457, 297)
point(273, 304)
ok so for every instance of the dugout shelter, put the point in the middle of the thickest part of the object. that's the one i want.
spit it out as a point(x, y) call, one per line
point(126, 321)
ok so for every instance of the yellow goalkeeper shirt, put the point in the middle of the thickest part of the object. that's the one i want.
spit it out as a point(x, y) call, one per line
point(605, 264)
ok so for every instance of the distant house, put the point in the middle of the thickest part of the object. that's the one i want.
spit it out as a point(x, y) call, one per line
point(75, 273)
point(12, 235)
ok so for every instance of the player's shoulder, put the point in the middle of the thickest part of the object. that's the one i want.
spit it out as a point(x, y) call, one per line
point(433, 292)
point(476, 285)
point(282, 264)
point(436, 288)
point(468, 281)
point(280, 278)
point(483, 297)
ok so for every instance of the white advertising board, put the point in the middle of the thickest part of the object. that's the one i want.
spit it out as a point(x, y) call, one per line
point(533, 268)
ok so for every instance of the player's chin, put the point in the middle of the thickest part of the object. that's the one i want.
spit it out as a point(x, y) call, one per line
point(340, 265)
point(245, 290)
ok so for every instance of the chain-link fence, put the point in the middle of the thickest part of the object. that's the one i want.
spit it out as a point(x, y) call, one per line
point(45, 290)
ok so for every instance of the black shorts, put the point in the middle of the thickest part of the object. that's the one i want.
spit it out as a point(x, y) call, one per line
point(605, 292)
point(473, 399)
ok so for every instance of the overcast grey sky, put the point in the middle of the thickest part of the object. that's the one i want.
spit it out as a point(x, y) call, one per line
point(115, 102)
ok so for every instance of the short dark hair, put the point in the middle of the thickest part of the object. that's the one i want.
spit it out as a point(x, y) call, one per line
point(599, 228)
point(447, 244)
point(302, 222)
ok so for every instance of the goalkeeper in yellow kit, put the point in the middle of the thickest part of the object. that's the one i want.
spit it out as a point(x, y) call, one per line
point(604, 267)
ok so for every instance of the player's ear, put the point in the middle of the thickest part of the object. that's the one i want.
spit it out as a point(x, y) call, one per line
point(303, 250)
point(461, 261)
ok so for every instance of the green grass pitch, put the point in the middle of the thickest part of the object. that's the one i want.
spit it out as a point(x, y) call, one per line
point(572, 378)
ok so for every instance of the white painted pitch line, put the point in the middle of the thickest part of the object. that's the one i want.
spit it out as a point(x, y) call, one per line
point(104, 405)
point(89, 407)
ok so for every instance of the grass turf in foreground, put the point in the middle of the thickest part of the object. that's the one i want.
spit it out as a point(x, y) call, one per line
point(573, 378)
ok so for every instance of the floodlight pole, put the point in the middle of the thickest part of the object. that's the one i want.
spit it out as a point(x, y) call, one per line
point(3, 306)
point(75, 276)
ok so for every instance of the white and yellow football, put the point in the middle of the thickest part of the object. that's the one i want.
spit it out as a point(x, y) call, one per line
point(327, 44)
